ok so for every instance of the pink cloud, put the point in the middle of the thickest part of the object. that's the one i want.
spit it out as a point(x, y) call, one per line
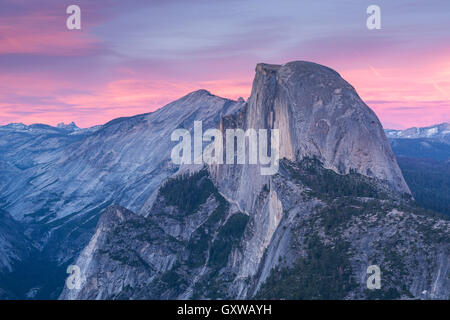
point(43, 32)
point(116, 98)
point(406, 95)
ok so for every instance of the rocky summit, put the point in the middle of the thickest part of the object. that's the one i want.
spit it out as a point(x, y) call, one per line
point(110, 201)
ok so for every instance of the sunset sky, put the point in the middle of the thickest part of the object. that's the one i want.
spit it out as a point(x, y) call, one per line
point(133, 57)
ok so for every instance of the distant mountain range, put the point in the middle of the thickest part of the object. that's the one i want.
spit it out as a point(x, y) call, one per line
point(110, 201)
point(38, 129)
point(424, 157)
point(439, 132)
point(431, 142)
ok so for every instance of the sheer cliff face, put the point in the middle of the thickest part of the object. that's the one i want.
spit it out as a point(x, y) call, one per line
point(319, 114)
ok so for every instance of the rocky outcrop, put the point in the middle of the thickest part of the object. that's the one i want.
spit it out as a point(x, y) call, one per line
point(318, 114)
point(164, 255)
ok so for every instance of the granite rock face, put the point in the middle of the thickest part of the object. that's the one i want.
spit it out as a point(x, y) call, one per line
point(320, 114)
point(338, 204)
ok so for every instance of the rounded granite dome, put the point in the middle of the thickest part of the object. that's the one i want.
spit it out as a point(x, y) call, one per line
point(319, 114)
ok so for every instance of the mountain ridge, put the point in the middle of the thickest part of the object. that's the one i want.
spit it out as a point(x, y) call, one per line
point(440, 131)
point(57, 183)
